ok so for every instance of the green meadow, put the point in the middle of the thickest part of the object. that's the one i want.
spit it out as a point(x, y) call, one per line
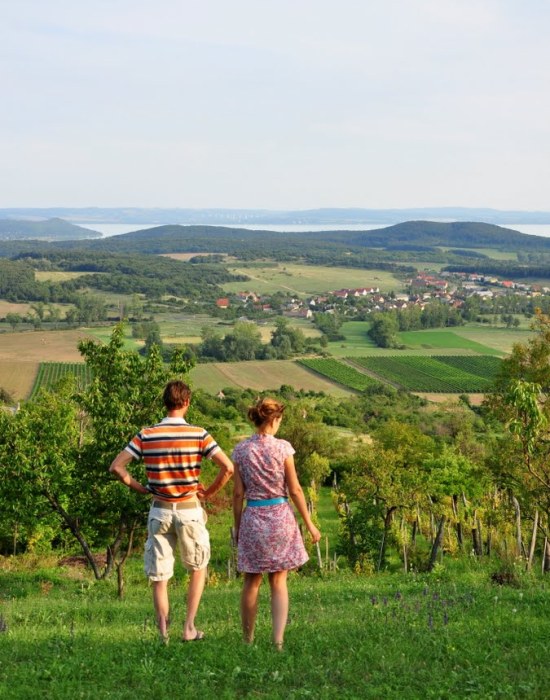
point(308, 279)
point(449, 634)
point(443, 339)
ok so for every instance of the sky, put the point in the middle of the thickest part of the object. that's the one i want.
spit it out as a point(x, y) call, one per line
point(275, 104)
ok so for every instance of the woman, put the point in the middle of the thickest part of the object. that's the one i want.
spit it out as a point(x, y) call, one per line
point(268, 536)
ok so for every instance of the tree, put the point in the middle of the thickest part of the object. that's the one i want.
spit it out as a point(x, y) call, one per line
point(244, 343)
point(520, 402)
point(384, 330)
point(286, 340)
point(66, 440)
point(13, 319)
point(54, 314)
point(385, 477)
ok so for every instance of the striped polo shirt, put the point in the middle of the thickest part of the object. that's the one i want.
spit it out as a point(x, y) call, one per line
point(172, 452)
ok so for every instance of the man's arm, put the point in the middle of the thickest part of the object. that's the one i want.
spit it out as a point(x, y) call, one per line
point(118, 468)
point(223, 476)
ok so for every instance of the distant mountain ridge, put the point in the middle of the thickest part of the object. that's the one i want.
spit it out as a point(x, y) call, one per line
point(50, 229)
point(233, 217)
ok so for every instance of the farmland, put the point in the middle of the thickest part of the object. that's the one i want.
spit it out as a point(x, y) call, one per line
point(260, 375)
point(50, 373)
point(435, 374)
point(339, 372)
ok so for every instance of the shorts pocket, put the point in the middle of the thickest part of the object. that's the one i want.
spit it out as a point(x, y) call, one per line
point(195, 545)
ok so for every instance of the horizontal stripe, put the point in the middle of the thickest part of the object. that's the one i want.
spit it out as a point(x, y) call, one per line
point(173, 482)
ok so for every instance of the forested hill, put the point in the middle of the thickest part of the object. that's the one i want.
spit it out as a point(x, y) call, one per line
point(49, 229)
point(457, 233)
point(406, 236)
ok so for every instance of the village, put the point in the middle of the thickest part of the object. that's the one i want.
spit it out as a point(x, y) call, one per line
point(450, 288)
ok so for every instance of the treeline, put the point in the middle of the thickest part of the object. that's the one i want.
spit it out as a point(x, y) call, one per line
point(385, 325)
point(504, 268)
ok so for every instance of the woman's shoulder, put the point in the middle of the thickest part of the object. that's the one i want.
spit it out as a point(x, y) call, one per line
point(285, 447)
point(242, 445)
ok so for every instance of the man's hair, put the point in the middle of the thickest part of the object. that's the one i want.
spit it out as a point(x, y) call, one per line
point(176, 394)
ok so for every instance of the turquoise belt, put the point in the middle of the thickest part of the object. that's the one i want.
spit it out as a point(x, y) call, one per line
point(267, 502)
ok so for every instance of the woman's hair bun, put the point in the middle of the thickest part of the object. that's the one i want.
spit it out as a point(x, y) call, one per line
point(265, 411)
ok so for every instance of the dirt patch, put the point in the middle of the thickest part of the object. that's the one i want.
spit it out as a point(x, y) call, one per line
point(18, 378)
point(8, 307)
point(80, 561)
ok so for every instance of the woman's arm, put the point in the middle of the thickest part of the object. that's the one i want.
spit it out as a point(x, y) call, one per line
point(238, 498)
point(296, 493)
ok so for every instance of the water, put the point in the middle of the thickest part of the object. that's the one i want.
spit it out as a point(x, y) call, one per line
point(108, 229)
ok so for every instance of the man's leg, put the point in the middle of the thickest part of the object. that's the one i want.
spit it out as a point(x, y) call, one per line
point(194, 593)
point(249, 605)
point(279, 605)
point(162, 607)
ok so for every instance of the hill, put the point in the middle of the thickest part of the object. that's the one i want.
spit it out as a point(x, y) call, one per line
point(405, 236)
point(456, 233)
point(49, 229)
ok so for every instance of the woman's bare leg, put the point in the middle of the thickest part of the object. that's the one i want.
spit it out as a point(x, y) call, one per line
point(279, 605)
point(249, 605)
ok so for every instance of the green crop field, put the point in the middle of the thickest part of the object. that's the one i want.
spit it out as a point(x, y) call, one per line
point(50, 373)
point(339, 372)
point(437, 339)
point(468, 374)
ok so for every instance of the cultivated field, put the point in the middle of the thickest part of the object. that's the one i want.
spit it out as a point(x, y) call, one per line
point(21, 354)
point(445, 373)
point(50, 373)
point(309, 279)
point(261, 375)
point(339, 372)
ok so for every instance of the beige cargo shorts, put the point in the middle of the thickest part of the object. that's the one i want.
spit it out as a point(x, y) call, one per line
point(169, 530)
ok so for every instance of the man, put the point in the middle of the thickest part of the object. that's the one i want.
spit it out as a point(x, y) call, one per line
point(172, 452)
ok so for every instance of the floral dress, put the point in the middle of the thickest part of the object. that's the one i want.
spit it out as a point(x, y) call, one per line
point(269, 538)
